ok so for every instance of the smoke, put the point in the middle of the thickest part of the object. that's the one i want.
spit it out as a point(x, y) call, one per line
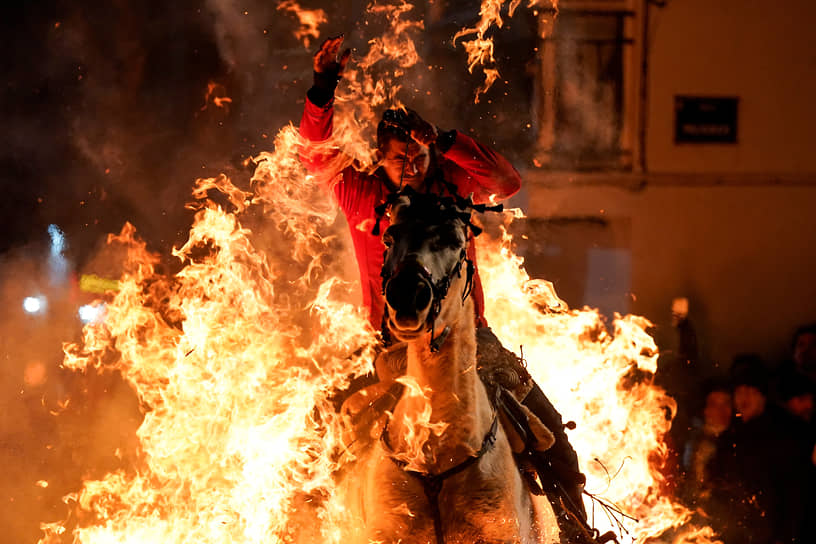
point(107, 119)
point(56, 427)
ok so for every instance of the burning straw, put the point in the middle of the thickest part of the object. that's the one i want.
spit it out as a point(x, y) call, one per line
point(232, 358)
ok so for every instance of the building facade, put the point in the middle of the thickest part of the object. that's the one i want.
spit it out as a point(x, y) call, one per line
point(674, 157)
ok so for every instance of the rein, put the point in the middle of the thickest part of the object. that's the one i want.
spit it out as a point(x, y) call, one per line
point(440, 291)
point(453, 206)
point(432, 483)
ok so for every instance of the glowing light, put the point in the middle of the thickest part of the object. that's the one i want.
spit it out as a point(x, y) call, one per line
point(91, 313)
point(34, 305)
point(57, 239)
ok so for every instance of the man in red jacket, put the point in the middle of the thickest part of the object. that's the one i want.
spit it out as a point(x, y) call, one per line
point(414, 153)
point(421, 161)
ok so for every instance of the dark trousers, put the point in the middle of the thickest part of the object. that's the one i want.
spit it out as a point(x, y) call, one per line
point(558, 466)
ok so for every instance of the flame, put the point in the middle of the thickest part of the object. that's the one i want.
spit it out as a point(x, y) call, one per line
point(599, 379)
point(216, 93)
point(233, 384)
point(233, 357)
point(309, 20)
point(418, 429)
point(373, 81)
point(480, 48)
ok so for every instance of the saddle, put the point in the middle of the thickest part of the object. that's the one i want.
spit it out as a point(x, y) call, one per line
point(506, 380)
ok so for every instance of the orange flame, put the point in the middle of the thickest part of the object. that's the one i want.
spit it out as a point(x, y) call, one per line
point(374, 81)
point(233, 358)
point(419, 429)
point(233, 377)
point(600, 380)
point(309, 20)
point(216, 93)
point(480, 48)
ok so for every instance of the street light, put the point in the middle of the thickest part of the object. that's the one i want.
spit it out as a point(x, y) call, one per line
point(34, 305)
point(91, 313)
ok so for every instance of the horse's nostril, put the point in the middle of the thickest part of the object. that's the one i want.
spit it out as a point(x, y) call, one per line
point(422, 295)
point(408, 294)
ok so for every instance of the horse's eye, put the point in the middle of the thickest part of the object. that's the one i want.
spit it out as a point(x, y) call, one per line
point(388, 241)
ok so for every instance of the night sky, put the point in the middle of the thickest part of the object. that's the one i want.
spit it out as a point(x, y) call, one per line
point(106, 119)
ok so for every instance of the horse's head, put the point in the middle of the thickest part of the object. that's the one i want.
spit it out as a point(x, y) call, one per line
point(425, 264)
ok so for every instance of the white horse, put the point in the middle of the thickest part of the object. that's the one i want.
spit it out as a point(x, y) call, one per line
point(443, 470)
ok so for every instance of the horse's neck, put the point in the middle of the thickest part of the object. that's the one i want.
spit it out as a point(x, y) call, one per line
point(456, 395)
point(450, 373)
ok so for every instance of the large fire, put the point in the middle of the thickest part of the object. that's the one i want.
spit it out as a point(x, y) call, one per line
point(233, 357)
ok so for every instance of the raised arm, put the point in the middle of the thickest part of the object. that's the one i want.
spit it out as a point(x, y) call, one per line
point(318, 111)
point(479, 169)
point(471, 166)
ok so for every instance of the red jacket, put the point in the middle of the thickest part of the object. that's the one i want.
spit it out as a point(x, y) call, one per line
point(470, 166)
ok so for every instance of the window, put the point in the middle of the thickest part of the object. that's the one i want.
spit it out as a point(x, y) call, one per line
point(587, 89)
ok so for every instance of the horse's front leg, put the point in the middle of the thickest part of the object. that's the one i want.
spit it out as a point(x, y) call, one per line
point(489, 502)
point(397, 511)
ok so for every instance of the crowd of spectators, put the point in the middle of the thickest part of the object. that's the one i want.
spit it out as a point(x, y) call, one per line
point(744, 442)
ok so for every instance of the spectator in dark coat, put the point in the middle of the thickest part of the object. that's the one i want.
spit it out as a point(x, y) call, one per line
point(678, 373)
point(804, 350)
point(756, 473)
point(796, 395)
point(701, 447)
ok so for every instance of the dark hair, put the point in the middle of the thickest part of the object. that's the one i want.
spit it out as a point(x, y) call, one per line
point(810, 328)
point(750, 369)
point(717, 384)
point(393, 125)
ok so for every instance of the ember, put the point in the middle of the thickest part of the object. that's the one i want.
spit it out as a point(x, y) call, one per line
point(233, 357)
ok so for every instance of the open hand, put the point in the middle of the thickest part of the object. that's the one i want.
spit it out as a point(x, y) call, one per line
point(326, 60)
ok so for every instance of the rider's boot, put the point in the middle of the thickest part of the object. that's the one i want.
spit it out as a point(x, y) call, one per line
point(557, 467)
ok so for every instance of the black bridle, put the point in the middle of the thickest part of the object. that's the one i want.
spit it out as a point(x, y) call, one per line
point(440, 286)
point(453, 207)
point(439, 291)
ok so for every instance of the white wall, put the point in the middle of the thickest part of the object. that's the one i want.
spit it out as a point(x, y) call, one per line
point(731, 226)
point(743, 255)
point(759, 51)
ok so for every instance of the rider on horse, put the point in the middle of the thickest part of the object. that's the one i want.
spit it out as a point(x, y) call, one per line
point(416, 154)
